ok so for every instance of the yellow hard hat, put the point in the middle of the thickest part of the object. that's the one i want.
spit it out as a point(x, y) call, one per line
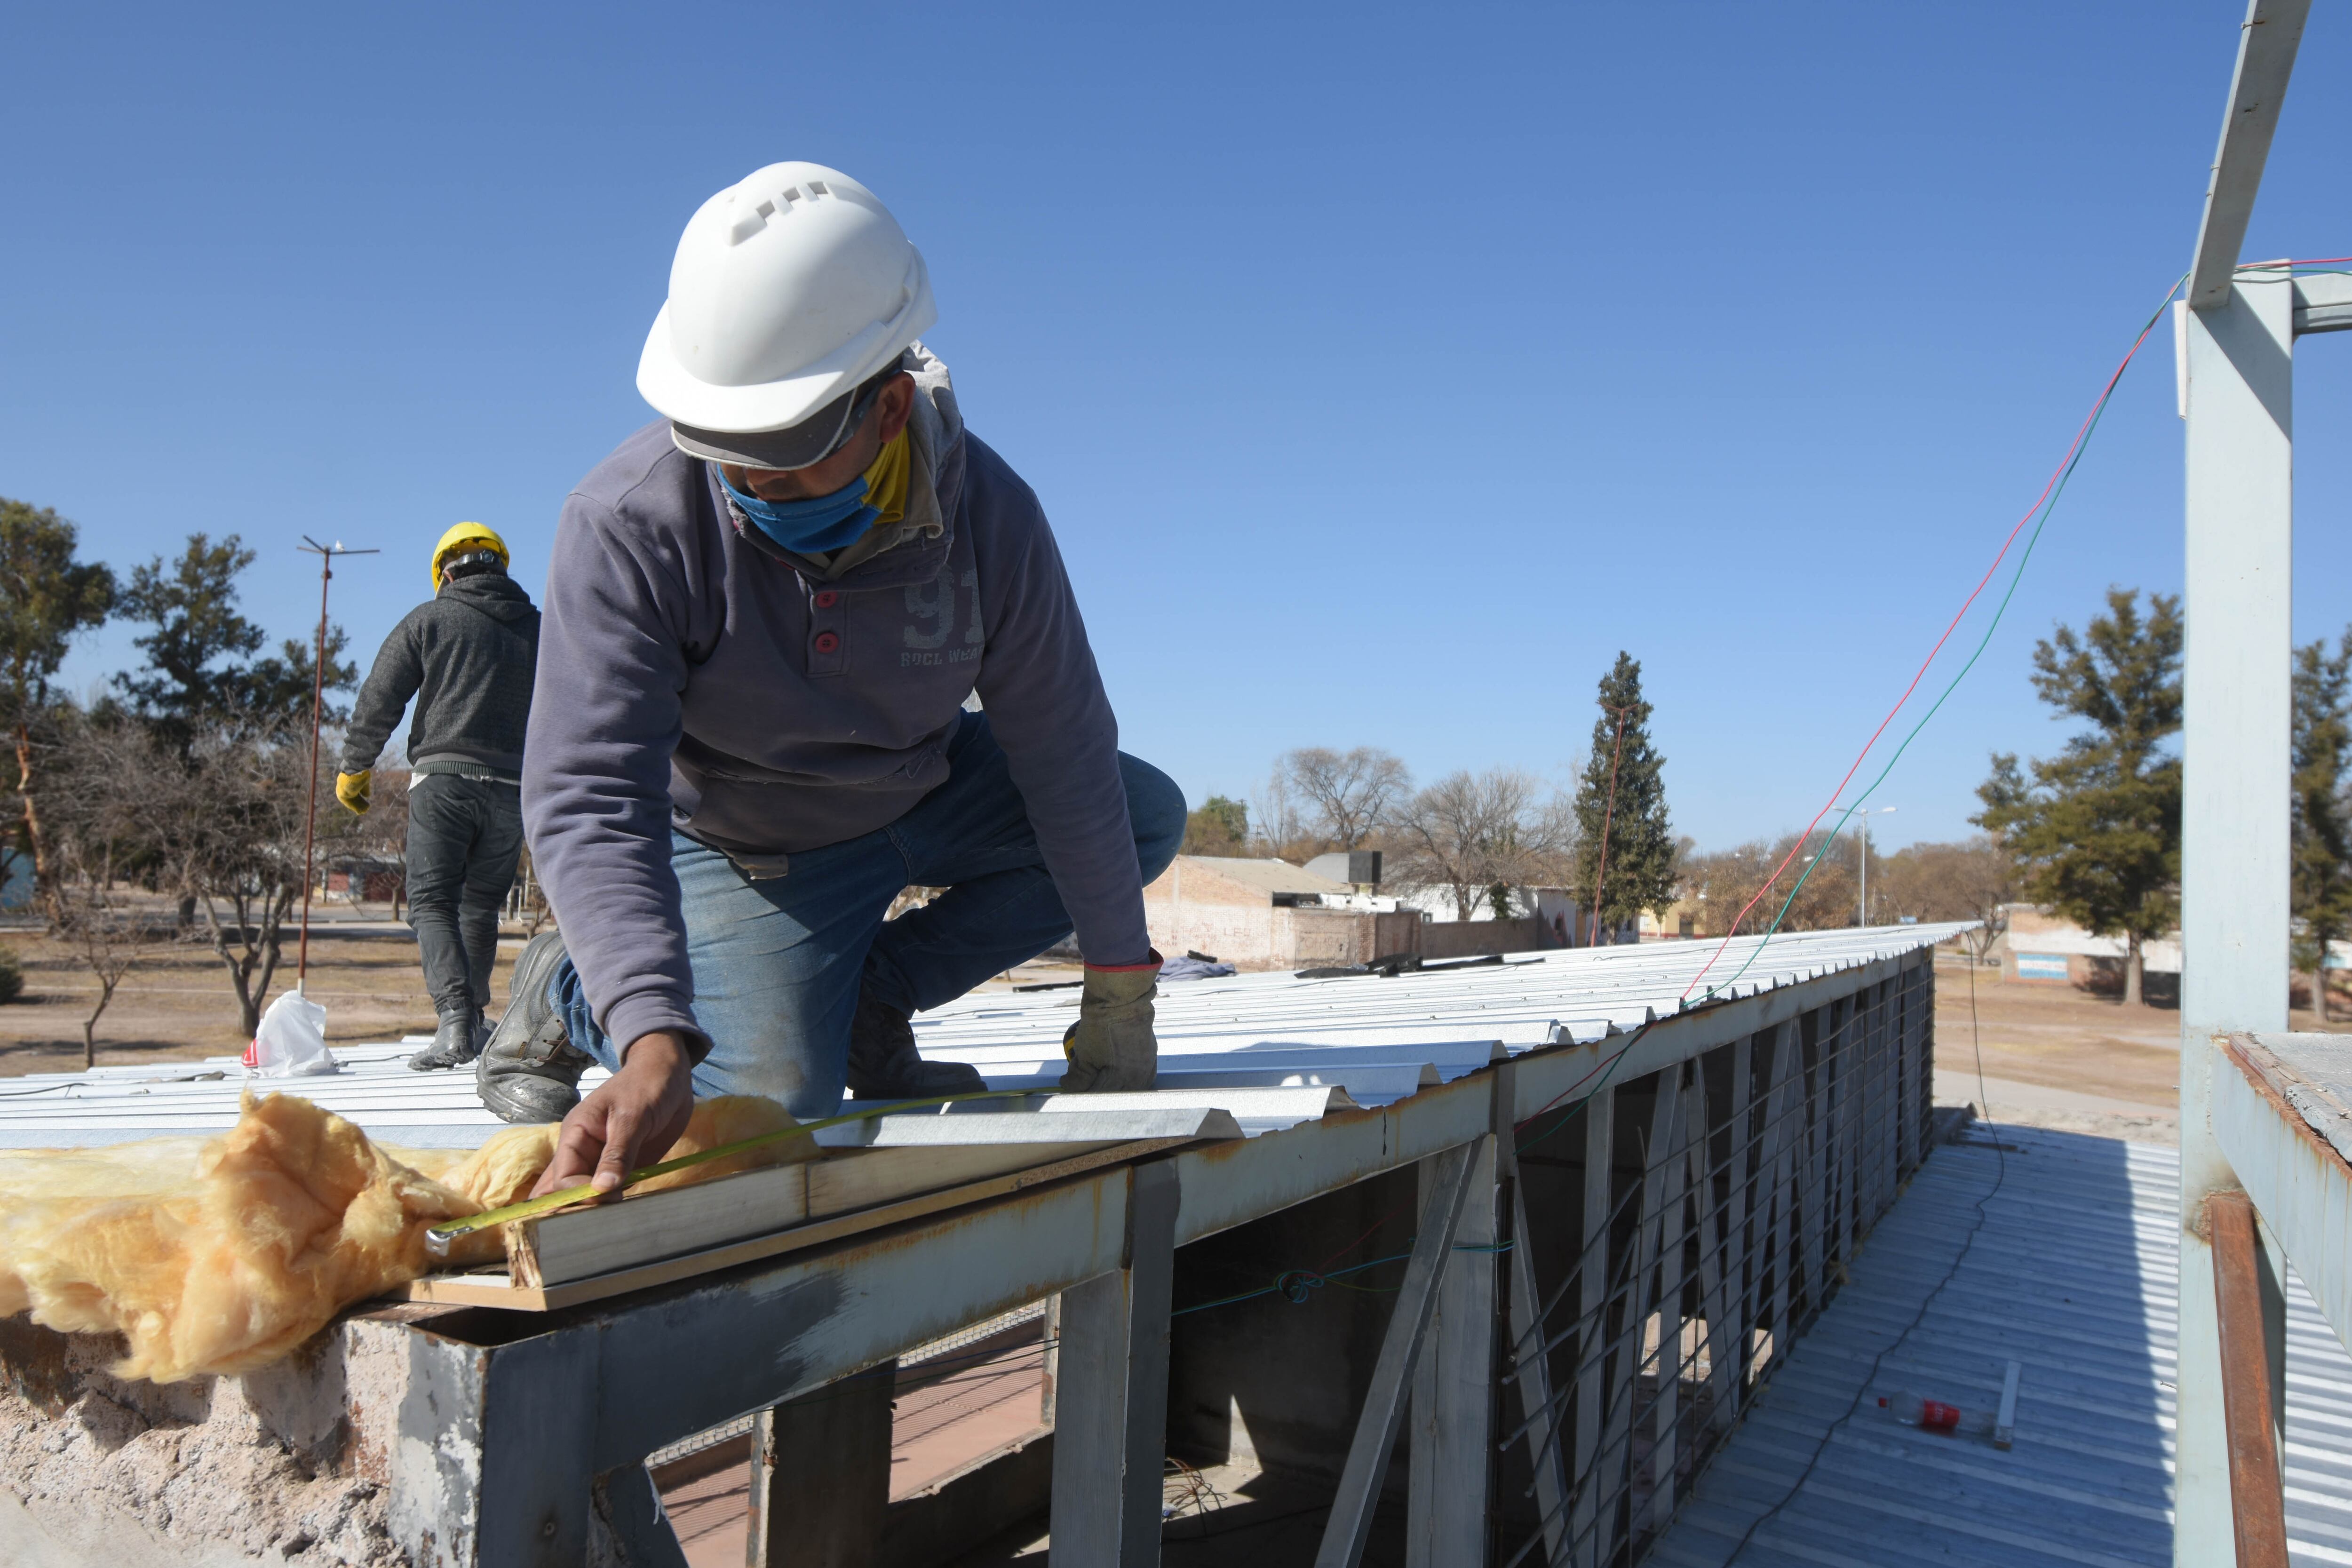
point(465, 535)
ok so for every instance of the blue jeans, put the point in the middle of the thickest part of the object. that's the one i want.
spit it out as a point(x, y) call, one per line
point(779, 963)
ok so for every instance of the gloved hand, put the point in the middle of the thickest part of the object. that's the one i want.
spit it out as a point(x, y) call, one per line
point(1111, 1048)
point(352, 789)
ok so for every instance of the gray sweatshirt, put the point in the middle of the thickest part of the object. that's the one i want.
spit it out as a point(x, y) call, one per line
point(466, 655)
point(694, 675)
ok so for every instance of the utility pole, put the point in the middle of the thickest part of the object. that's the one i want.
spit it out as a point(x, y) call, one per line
point(1863, 834)
point(326, 554)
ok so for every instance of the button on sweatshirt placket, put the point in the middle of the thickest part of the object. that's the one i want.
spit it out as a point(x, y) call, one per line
point(828, 643)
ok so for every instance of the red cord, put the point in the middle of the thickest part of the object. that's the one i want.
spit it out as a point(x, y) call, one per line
point(1803, 838)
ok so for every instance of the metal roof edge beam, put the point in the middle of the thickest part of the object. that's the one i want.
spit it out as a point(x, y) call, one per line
point(2323, 303)
point(2267, 41)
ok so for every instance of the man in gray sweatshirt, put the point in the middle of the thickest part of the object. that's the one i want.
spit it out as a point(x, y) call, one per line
point(809, 642)
point(468, 656)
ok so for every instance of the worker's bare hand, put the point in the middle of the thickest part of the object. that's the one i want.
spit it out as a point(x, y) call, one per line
point(630, 1121)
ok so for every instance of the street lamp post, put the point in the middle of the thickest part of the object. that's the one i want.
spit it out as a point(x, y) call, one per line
point(1862, 832)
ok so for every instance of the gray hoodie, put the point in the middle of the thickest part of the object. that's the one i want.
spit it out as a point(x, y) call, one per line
point(465, 656)
point(692, 674)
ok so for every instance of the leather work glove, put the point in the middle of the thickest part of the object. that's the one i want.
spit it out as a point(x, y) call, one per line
point(1111, 1048)
point(352, 789)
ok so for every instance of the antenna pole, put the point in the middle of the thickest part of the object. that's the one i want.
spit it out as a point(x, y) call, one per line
point(326, 554)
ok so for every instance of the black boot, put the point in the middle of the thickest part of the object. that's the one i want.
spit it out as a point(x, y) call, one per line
point(456, 1042)
point(884, 1065)
point(531, 1070)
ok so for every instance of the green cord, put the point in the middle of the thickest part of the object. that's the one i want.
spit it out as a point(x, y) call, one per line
point(1983, 642)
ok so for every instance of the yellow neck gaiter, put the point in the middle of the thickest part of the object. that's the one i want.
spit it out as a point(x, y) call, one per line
point(886, 481)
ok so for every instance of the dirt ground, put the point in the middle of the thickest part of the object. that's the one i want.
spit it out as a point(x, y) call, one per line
point(2056, 1057)
point(179, 1006)
point(178, 1003)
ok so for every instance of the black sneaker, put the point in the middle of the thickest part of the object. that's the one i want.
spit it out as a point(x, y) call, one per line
point(884, 1065)
point(529, 1070)
point(456, 1043)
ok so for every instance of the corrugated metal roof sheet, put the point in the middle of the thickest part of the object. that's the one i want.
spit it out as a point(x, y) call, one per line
point(1379, 1037)
point(2074, 1276)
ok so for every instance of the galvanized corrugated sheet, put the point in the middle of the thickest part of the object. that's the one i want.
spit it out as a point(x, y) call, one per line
point(2073, 1275)
point(1379, 1038)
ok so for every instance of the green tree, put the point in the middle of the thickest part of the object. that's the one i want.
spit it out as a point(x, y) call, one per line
point(201, 673)
point(2321, 885)
point(1625, 844)
point(1220, 828)
point(2096, 829)
point(45, 597)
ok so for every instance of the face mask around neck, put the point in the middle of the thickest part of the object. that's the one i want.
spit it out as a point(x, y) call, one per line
point(816, 526)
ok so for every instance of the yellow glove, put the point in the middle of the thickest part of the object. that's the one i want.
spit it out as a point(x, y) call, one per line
point(352, 789)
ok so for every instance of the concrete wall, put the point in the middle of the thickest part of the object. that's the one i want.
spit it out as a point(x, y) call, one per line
point(292, 1461)
point(1470, 939)
point(1261, 936)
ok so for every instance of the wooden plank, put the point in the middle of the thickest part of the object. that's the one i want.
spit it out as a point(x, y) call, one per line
point(845, 1183)
point(1593, 1315)
point(501, 1291)
point(1906, 1072)
point(1812, 1196)
point(1452, 1404)
point(1349, 1525)
point(576, 1243)
point(1533, 1370)
point(582, 1242)
point(1611, 1476)
point(821, 1475)
point(1674, 1194)
point(1782, 1111)
point(1727, 1292)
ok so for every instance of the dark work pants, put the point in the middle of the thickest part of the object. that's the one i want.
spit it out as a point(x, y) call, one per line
point(464, 839)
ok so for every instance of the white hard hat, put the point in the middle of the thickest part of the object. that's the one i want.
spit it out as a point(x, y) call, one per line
point(791, 289)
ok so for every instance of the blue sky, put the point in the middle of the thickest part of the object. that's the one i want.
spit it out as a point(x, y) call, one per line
point(1384, 371)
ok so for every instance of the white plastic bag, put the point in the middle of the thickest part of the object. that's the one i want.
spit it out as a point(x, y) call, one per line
point(292, 1040)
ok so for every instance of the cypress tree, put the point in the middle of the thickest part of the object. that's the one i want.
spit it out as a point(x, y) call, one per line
point(1624, 852)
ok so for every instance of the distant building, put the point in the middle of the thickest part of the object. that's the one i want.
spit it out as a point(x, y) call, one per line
point(1271, 914)
point(16, 880)
point(366, 880)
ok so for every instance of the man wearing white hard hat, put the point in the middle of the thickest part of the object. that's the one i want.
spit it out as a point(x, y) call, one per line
point(809, 642)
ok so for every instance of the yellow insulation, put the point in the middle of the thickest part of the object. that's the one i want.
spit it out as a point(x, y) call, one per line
point(221, 1255)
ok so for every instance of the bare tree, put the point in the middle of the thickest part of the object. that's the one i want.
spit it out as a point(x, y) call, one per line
point(1784, 885)
point(1471, 833)
point(225, 821)
point(1974, 880)
point(1349, 796)
point(99, 769)
point(1275, 816)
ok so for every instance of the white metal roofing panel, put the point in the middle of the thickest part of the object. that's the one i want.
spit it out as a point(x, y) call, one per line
point(1244, 1034)
point(2074, 1276)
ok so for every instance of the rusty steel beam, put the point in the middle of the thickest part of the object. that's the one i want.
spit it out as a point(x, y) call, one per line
point(2258, 1503)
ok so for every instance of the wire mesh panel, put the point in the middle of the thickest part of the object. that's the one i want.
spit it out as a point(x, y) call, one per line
point(1683, 1229)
